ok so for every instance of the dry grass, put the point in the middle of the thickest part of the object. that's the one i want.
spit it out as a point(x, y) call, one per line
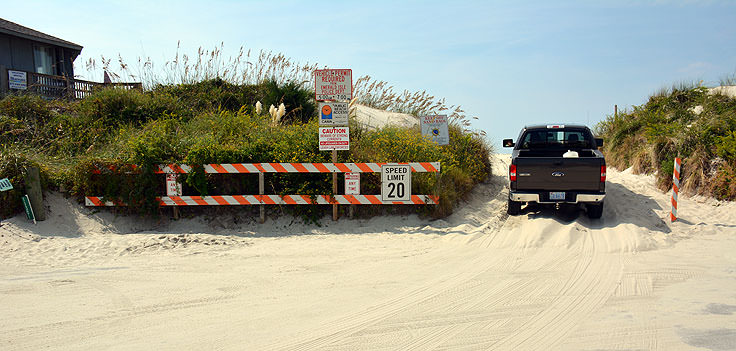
point(247, 68)
point(381, 95)
point(244, 68)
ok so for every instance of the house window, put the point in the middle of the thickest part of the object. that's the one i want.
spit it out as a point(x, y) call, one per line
point(44, 59)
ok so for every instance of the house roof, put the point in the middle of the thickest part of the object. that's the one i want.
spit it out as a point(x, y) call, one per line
point(15, 29)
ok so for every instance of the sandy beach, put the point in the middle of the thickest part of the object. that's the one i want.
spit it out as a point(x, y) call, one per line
point(478, 280)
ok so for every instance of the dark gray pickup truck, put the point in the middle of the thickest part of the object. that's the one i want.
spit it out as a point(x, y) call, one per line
point(556, 164)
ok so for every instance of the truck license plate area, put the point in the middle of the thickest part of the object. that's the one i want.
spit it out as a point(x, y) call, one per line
point(556, 195)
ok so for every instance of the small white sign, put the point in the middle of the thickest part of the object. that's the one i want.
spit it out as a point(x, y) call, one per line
point(396, 183)
point(352, 183)
point(173, 187)
point(334, 138)
point(333, 84)
point(333, 113)
point(435, 127)
point(17, 80)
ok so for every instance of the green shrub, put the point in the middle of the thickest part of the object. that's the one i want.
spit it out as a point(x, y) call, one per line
point(118, 107)
point(212, 122)
point(298, 101)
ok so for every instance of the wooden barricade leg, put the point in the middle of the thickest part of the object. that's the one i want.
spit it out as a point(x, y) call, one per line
point(261, 187)
point(334, 186)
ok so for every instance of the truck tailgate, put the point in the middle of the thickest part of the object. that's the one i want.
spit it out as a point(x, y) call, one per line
point(556, 173)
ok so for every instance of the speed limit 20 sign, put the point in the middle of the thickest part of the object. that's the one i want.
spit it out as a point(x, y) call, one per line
point(396, 183)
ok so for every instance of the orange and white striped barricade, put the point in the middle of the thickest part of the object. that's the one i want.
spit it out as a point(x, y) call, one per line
point(260, 168)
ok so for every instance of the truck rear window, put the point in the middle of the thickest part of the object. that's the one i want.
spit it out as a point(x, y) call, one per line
point(555, 138)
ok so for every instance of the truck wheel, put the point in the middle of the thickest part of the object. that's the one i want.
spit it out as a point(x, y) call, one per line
point(514, 207)
point(595, 210)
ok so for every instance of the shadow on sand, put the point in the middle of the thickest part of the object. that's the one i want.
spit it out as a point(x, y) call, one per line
point(622, 206)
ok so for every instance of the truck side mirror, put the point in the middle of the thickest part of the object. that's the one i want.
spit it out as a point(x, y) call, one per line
point(508, 143)
point(599, 142)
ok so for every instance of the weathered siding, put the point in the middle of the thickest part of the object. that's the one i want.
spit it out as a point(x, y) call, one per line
point(21, 51)
point(5, 58)
point(17, 53)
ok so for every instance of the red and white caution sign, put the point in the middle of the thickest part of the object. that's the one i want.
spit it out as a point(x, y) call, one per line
point(335, 138)
point(675, 189)
point(352, 183)
point(173, 187)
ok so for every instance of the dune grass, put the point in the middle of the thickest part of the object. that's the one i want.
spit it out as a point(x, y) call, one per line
point(687, 121)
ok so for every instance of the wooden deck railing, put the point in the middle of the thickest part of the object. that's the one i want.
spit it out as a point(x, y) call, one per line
point(63, 87)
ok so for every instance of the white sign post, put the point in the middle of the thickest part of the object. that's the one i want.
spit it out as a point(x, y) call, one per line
point(435, 127)
point(173, 187)
point(17, 80)
point(352, 183)
point(333, 84)
point(334, 138)
point(396, 183)
point(333, 113)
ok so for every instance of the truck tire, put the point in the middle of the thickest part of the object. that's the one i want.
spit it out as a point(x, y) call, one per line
point(514, 207)
point(595, 210)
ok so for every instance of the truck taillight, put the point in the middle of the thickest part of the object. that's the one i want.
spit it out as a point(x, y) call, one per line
point(512, 173)
point(603, 174)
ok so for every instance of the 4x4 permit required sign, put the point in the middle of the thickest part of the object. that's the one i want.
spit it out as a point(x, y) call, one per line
point(333, 84)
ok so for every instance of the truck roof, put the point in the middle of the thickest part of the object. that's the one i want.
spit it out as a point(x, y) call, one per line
point(545, 126)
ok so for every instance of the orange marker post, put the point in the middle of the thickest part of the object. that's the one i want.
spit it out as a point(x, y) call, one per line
point(675, 189)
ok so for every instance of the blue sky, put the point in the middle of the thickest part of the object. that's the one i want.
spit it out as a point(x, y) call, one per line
point(508, 63)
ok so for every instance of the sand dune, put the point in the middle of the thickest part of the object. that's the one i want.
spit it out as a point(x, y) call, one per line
point(476, 280)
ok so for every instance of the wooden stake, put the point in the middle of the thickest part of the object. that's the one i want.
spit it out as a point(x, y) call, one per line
point(334, 186)
point(35, 193)
point(261, 187)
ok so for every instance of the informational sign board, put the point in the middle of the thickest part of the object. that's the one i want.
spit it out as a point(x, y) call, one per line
point(333, 84)
point(334, 138)
point(435, 127)
point(333, 113)
point(29, 209)
point(396, 182)
point(17, 80)
point(352, 183)
point(5, 184)
point(173, 187)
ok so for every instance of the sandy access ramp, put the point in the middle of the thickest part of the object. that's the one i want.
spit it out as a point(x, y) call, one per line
point(478, 280)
